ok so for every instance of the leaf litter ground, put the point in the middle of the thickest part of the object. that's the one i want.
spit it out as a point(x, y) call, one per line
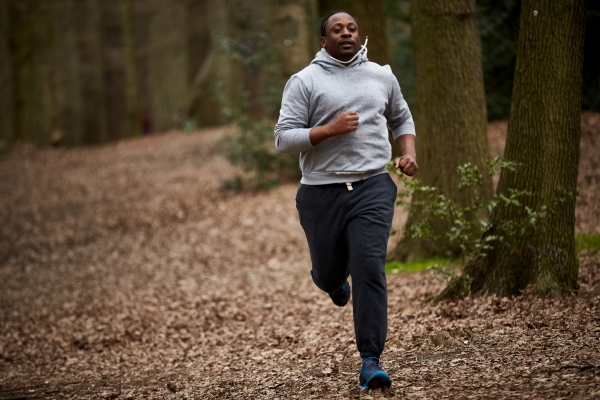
point(127, 273)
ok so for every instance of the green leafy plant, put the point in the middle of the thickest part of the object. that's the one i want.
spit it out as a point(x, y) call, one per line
point(254, 107)
point(587, 244)
point(472, 237)
point(188, 125)
point(417, 265)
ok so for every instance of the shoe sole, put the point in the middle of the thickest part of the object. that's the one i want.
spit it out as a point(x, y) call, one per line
point(343, 301)
point(378, 380)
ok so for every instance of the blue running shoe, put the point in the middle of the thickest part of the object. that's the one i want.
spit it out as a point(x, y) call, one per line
point(371, 375)
point(341, 296)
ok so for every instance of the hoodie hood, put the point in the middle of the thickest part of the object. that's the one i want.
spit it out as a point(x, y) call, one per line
point(327, 62)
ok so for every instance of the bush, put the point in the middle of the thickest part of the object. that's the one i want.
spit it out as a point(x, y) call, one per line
point(473, 238)
point(254, 108)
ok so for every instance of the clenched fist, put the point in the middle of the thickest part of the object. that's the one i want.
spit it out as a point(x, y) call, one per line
point(345, 123)
point(407, 164)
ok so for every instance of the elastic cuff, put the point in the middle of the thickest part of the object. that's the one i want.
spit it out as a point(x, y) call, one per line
point(369, 356)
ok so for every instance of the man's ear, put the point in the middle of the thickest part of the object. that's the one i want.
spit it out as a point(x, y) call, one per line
point(322, 42)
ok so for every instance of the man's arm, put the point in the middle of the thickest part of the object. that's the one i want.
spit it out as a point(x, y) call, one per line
point(292, 134)
point(407, 164)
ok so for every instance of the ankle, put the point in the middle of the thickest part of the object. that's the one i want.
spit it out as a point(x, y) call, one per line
point(370, 357)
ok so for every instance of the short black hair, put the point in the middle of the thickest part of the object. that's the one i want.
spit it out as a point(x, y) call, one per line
point(326, 19)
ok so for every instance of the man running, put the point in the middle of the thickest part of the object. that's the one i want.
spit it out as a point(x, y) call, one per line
point(336, 113)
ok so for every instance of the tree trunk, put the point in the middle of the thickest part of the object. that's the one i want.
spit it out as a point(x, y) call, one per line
point(32, 69)
point(121, 88)
point(7, 125)
point(202, 18)
point(21, 57)
point(133, 123)
point(141, 31)
point(543, 137)
point(166, 55)
point(451, 115)
point(289, 23)
point(87, 31)
point(70, 103)
point(113, 66)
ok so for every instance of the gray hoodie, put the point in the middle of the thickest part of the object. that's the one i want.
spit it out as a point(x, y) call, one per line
point(316, 95)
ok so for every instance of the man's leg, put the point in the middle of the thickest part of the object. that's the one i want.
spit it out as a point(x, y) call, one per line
point(367, 233)
point(322, 215)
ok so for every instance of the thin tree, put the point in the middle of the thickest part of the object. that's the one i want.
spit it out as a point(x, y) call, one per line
point(543, 138)
point(201, 17)
point(7, 112)
point(31, 46)
point(87, 24)
point(451, 114)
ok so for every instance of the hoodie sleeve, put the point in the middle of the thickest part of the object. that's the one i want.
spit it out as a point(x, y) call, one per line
point(292, 134)
point(399, 118)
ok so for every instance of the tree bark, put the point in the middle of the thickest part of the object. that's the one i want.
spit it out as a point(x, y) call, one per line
point(7, 125)
point(31, 45)
point(70, 103)
point(289, 24)
point(166, 55)
point(141, 29)
point(87, 31)
point(203, 17)
point(133, 123)
point(451, 114)
point(543, 137)
point(114, 59)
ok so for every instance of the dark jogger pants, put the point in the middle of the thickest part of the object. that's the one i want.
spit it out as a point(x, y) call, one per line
point(347, 233)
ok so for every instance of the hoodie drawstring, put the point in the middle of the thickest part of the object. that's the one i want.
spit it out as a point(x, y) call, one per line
point(363, 48)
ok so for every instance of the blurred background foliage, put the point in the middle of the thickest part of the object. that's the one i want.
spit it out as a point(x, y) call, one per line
point(77, 72)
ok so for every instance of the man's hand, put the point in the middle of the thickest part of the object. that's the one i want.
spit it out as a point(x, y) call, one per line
point(407, 164)
point(344, 123)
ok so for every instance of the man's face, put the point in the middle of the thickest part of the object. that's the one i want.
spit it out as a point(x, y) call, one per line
point(341, 40)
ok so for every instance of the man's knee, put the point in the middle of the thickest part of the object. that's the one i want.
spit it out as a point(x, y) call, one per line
point(326, 283)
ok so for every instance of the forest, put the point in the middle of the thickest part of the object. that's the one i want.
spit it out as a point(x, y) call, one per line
point(150, 245)
point(87, 72)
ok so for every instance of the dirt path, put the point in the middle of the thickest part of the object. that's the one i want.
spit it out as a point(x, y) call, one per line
point(127, 273)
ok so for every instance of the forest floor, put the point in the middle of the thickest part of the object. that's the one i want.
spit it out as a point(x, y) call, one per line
point(128, 273)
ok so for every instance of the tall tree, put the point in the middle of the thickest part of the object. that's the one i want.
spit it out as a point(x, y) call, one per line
point(290, 21)
point(113, 66)
point(6, 78)
point(543, 138)
point(166, 55)
point(119, 49)
point(32, 45)
point(451, 114)
point(132, 88)
point(87, 25)
point(201, 17)
point(269, 41)
point(69, 87)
